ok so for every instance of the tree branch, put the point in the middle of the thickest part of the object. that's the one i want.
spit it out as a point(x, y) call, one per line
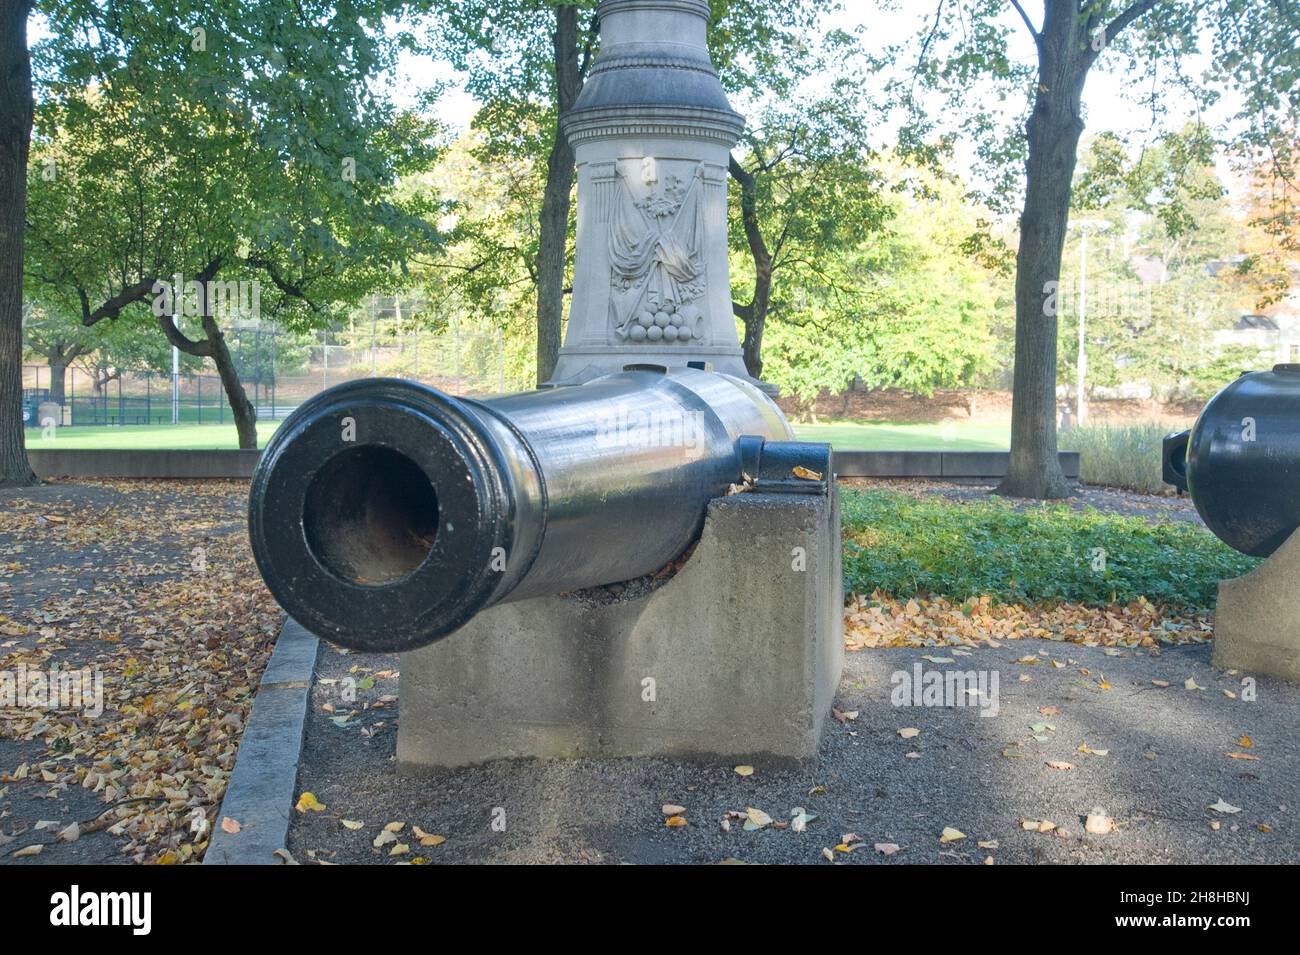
point(1024, 16)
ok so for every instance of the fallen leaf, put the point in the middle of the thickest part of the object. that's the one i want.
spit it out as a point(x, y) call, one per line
point(230, 825)
point(1098, 823)
point(307, 802)
point(25, 851)
point(1246, 742)
point(909, 732)
point(675, 821)
point(1059, 764)
point(756, 818)
point(1225, 807)
point(1190, 684)
point(1253, 759)
point(670, 810)
point(950, 834)
point(988, 844)
point(352, 824)
point(744, 770)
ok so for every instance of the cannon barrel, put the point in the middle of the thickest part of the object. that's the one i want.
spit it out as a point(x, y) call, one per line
point(1240, 461)
point(384, 514)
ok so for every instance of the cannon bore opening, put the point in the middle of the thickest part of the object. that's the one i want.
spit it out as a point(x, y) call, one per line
point(370, 516)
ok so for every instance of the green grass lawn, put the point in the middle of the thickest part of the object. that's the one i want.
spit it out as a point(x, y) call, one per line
point(887, 436)
point(846, 435)
point(198, 437)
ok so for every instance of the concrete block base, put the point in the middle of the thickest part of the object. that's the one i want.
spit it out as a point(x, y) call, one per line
point(737, 657)
point(1257, 620)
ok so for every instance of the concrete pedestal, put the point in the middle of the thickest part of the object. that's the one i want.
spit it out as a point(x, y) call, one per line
point(737, 657)
point(1257, 620)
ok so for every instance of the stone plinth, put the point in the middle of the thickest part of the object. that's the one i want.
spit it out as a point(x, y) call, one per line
point(737, 657)
point(1257, 619)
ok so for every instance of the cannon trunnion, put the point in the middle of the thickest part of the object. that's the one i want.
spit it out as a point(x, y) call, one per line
point(385, 514)
point(1240, 461)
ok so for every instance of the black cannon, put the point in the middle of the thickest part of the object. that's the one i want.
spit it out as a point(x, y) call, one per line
point(1240, 461)
point(385, 514)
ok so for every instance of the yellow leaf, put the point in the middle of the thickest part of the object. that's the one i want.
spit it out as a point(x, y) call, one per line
point(352, 824)
point(308, 802)
point(806, 474)
point(400, 849)
point(675, 821)
point(744, 770)
point(909, 732)
point(1246, 742)
point(950, 834)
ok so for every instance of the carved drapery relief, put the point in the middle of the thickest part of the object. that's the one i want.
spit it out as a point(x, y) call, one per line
point(656, 215)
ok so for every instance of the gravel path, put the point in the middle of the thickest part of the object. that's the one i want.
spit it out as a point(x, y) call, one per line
point(1164, 765)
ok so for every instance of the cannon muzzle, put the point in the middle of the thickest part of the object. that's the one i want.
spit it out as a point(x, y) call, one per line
point(385, 514)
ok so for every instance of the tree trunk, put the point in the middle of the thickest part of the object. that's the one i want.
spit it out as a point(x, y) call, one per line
point(241, 408)
point(15, 142)
point(58, 379)
point(753, 315)
point(553, 234)
point(1052, 133)
point(213, 345)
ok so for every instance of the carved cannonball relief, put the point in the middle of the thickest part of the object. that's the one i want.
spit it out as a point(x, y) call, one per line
point(670, 333)
point(661, 319)
point(654, 333)
point(638, 333)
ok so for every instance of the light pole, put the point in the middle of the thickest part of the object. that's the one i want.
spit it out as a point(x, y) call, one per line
point(1080, 405)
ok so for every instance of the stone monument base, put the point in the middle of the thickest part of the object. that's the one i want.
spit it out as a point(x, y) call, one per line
point(737, 657)
point(1257, 621)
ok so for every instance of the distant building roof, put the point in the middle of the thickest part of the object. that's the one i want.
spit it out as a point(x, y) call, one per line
point(1255, 322)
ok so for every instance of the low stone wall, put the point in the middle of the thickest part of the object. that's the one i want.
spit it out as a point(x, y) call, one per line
point(947, 465)
point(126, 463)
point(114, 463)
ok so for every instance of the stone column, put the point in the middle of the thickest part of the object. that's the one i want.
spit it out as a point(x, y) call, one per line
point(652, 132)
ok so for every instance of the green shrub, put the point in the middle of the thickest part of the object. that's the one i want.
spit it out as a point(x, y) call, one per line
point(904, 546)
point(1125, 457)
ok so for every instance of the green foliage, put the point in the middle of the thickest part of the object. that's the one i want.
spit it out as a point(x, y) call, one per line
point(905, 546)
point(248, 134)
point(901, 307)
point(1125, 457)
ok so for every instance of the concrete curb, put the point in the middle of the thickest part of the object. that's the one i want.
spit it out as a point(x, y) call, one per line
point(260, 794)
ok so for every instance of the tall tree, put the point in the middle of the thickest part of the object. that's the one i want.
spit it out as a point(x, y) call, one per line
point(809, 187)
point(964, 54)
point(15, 141)
point(223, 144)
